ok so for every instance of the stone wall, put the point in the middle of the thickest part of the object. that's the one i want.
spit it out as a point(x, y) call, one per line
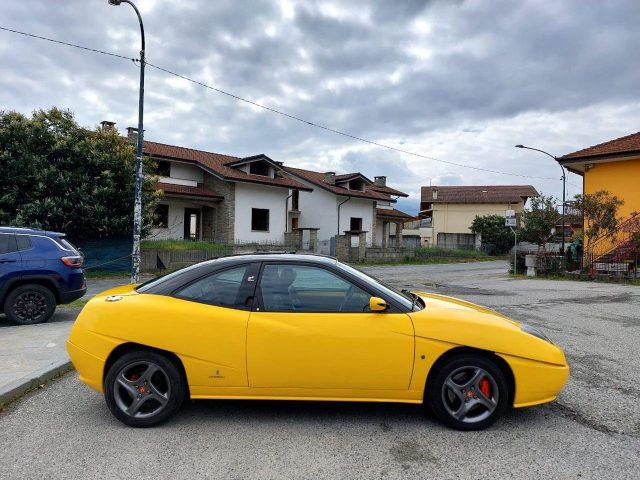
point(224, 215)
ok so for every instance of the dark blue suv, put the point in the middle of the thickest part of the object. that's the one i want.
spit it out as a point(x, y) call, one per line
point(38, 270)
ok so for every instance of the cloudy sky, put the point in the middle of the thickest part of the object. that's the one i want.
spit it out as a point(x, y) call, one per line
point(462, 81)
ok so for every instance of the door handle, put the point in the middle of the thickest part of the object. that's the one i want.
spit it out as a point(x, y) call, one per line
point(7, 260)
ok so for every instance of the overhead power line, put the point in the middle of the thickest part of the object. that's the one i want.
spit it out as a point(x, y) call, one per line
point(274, 110)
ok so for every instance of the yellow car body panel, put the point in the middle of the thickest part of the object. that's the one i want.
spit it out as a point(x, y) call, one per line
point(387, 357)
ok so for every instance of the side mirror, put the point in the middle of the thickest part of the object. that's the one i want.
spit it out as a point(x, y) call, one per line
point(377, 304)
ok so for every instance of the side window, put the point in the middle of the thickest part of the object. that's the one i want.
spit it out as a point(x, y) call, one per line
point(223, 288)
point(23, 241)
point(303, 288)
point(7, 243)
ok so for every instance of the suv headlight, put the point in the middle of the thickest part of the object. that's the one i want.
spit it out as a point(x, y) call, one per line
point(535, 332)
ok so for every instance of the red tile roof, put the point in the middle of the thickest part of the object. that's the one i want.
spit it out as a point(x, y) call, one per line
point(215, 163)
point(389, 191)
point(317, 178)
point(199, 191)
point(393, 213)
point(627, 144)
point(478, 194)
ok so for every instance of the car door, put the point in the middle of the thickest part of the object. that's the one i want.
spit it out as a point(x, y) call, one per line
point(212, 312)
point(311, 329)
point(10, 259)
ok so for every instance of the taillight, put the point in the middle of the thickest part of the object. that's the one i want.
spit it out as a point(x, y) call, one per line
point(75, 262)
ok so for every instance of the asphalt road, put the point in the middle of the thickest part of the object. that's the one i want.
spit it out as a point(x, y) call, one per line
point(592, 431)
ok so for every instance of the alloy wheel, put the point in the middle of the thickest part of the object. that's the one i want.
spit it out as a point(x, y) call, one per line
point(30, 306)
point(141, 389)
point(470, 394)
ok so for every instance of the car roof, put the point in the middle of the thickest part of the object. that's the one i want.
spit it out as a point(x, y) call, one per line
point(275, 256)
point(30, 231)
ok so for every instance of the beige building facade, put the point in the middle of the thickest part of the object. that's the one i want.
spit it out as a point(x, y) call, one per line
point(447, 212)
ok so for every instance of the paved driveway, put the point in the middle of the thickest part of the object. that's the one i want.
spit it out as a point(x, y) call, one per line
point(593, 431)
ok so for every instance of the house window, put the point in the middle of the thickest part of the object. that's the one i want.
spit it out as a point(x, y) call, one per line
point(161, 216)
point(259, 168)
point(260, 219)
point(295, 199)
point(356, 224)
point(356, 185)
point(163, 169)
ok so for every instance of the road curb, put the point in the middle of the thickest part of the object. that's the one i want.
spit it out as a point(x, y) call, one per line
point(19, 387)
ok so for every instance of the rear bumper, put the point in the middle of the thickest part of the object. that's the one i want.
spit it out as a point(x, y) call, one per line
point(70, 296)
point(89, 367)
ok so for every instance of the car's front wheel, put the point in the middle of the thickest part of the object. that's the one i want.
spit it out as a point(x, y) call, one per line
point(143, 388)
point(30, 304)
point(468, 392)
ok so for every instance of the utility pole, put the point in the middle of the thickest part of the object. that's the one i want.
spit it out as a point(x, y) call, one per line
point(137, 207)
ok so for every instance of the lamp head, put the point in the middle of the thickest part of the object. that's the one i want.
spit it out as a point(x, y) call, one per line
point(517, 146)
point(115, 2)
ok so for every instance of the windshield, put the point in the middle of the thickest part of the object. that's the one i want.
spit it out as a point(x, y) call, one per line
point(163, 278)
point(401, 298)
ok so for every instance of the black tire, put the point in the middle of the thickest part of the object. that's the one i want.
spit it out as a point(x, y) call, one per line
point(167, 380)
point(30, 304)
point(484, 411)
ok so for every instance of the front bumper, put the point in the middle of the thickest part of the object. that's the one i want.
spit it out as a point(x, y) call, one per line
point(536, 382)
point(89, 367)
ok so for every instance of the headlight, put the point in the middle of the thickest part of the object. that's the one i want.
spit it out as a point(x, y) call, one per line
point(535, 332)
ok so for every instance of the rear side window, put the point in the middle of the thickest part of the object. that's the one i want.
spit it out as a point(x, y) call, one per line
point(66, 244)
point(228, 288)
point(23, 241)
point(7, 243)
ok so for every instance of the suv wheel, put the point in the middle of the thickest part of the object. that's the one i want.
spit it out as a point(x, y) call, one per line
point(468, 392)
point(143, 388)
point(30, 304)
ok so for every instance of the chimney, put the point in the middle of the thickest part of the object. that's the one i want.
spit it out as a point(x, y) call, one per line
point(380, 181)
point(106, 125)
point(132, 134)
point(330, 178)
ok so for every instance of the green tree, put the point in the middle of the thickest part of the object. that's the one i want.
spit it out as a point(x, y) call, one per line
point(59, 176)
point(496, 238)
point(539, 220)
point(600, 211)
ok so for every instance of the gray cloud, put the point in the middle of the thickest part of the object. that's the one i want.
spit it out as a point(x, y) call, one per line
point(464, 81)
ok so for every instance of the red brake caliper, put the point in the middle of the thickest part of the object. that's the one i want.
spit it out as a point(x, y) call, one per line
point(485, 388)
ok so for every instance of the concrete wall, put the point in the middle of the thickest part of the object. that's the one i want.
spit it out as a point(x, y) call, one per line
point(175, 227)
point(361, 208)
point(187, 173)
point(248, 196)
point(318, 209)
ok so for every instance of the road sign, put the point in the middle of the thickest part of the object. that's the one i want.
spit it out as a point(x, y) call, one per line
point(510, 218)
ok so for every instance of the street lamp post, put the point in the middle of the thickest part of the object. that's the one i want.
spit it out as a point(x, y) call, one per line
point(137, 208)
point(564, 187)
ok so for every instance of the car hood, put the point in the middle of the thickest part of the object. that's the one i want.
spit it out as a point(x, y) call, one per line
point(464, 323)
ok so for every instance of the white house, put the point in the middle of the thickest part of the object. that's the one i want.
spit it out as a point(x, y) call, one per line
point(227, 199)
point(347, 202)
point(209, 196)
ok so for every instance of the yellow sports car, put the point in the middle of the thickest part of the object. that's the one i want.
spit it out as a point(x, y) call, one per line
point(303, 327)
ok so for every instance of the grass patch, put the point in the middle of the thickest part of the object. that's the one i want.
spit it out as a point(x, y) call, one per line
point(180, 245)
point(98, 274)
point(425, 261)
point(81, 302)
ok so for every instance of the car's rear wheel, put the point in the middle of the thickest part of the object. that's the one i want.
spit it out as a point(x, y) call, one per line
point(143, 388)
point(468, 392)
point(30, 304)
